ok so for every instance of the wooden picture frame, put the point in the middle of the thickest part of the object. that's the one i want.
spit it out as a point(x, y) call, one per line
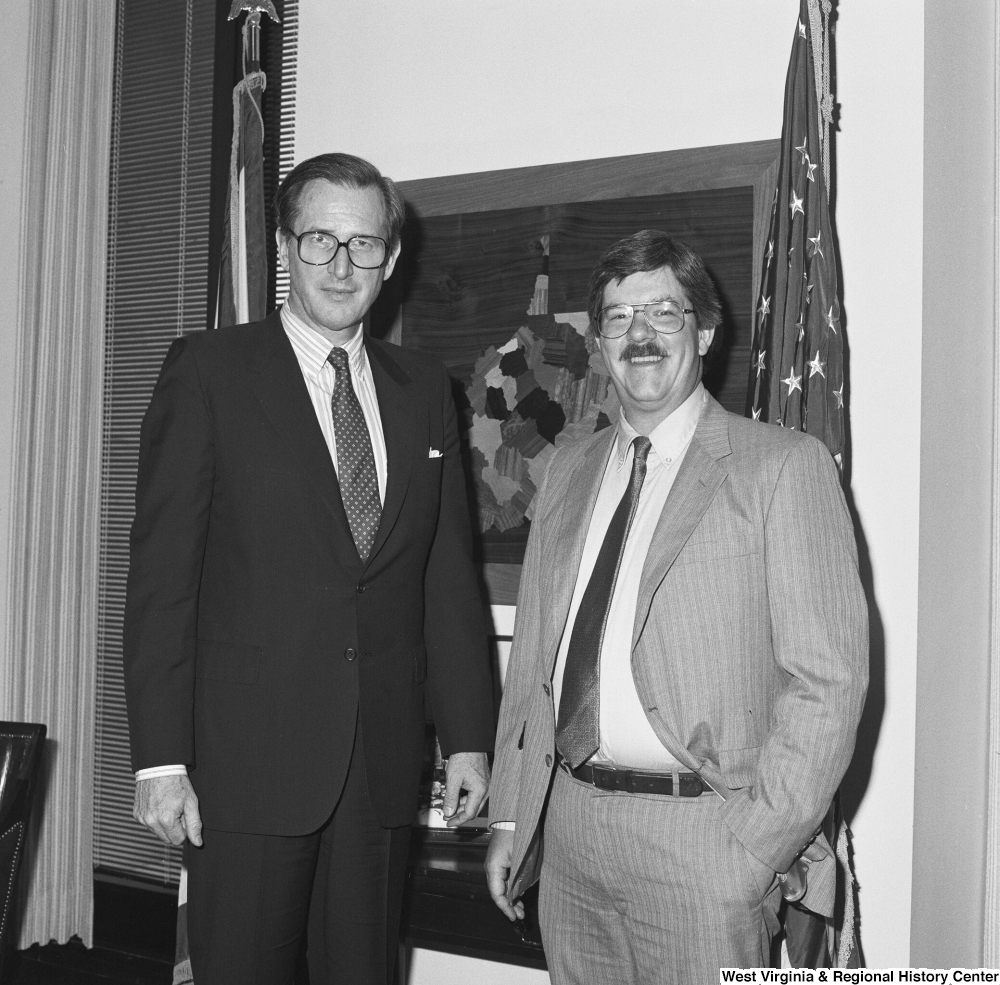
point(686, 179)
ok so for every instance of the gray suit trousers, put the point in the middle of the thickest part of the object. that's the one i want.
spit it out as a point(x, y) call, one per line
point(643, 889)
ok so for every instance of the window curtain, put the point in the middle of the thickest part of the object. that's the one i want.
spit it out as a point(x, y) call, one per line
point(54, 522)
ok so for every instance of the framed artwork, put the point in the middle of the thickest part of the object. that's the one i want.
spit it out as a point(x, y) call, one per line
point(493, 281)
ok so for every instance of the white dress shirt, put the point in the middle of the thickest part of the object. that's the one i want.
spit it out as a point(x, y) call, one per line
point(311, 350)
point(627, 738)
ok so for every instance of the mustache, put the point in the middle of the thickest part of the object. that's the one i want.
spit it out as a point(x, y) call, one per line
point(635, 350)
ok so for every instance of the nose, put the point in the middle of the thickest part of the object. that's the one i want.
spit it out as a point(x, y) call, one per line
point(341, 263)
point(640, 328)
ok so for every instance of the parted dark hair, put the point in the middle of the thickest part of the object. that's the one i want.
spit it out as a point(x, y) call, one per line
point(340, 169)
point(651, 249)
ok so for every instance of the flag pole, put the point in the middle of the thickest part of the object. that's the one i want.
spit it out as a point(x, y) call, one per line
point(243, 272)
point(251, 29)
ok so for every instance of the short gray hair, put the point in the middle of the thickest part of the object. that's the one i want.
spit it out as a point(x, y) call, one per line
point(339, 169)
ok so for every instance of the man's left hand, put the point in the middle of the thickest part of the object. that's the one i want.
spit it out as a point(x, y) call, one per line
point(793, 882)
point(467, 782)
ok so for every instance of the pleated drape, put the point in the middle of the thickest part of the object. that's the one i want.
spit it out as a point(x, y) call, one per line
point(49, 672)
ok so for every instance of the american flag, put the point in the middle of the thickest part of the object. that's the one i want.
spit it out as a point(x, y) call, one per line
point(797, 370)
point(243, 274)
point(797, 359)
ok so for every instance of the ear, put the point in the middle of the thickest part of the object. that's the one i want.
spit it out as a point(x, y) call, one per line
point(705, 336)
point(282, 240)
point(390, 263)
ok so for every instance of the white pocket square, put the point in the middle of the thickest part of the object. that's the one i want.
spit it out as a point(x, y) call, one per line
point(433, 453)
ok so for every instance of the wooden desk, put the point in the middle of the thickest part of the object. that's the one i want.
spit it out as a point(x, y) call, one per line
point(447, 906)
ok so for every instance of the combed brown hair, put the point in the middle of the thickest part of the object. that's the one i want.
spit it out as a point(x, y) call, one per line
point(652, 249)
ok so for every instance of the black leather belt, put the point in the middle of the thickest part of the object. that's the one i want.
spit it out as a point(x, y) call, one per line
point(639, 781)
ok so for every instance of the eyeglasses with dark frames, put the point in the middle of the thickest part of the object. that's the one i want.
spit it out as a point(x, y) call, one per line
point(666, 317)
point(318, 248)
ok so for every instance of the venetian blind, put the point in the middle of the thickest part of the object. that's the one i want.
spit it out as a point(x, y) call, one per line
point(158, 288)
point(279, 121)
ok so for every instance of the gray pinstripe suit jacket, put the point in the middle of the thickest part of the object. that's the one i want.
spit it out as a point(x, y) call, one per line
point(750, 642)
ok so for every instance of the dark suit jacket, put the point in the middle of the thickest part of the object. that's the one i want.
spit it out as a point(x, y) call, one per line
point(255, 638)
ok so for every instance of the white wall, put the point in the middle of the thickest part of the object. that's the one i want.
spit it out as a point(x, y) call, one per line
point(879, 221)
point(956, 596)
point(507, 83)
point(475, 87)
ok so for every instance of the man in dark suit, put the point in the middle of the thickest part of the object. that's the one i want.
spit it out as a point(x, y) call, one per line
point(300, 577)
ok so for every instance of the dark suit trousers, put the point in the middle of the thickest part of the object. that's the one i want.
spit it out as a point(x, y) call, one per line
point(250, 898)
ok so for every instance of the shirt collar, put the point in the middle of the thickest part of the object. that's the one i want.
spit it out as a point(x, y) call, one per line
point(671, 436)
point(312, 349)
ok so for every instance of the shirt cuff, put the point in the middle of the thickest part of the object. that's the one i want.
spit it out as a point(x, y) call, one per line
point(503, 825)
point(155, 771)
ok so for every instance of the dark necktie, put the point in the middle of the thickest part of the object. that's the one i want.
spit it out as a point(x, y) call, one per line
point(578, 732)
point(355, 460)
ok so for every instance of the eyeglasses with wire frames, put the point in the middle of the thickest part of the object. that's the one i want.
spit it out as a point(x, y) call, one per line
point(666, 317)
point(318, 248)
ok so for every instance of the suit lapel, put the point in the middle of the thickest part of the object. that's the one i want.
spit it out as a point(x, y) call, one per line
point(574, 521)
point(399, 428)
point(276, 381)
point(701, 473)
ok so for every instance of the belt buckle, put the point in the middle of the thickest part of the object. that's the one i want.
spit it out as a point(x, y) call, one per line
point(601, 780)
point(610, 778)
point(605, 777)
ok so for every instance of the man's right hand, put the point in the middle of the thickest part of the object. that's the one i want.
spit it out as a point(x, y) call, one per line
point(168, 806)
point(498, 858)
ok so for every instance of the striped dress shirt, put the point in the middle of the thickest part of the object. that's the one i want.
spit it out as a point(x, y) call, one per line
point(311, 350)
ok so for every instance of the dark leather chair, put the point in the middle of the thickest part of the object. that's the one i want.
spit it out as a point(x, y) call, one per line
point(20, 757)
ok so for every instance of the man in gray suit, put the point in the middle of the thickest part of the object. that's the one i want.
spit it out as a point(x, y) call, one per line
point(689, 662)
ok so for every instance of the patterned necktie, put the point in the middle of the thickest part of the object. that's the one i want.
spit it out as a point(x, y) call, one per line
point(355, 460)
point(578, 732)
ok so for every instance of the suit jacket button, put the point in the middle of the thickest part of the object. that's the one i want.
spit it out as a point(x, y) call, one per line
point(545, 688)
point(349, 653)
point(361, 589)
point(548, 760)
